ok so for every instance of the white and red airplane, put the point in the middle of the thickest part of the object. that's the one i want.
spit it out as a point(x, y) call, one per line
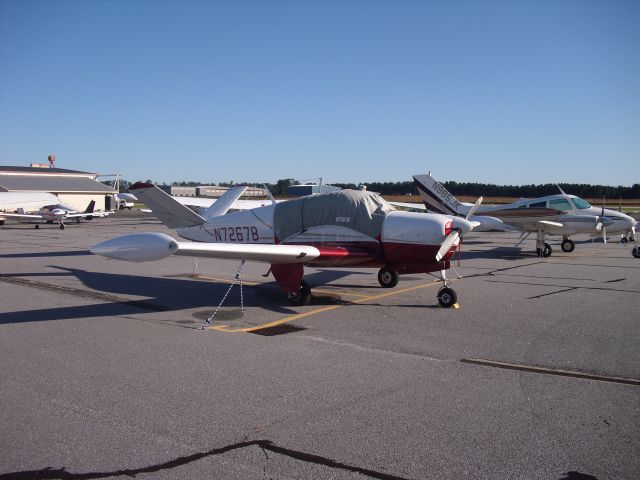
point(348, 228)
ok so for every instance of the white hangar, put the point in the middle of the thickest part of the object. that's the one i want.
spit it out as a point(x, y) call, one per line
point(72, 187)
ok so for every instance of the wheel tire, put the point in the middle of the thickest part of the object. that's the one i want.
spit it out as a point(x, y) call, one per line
point(632, 238)
point(388, 278)
point(62, 226)
point(447, 297)
point(37, 226)
point(567, 245)
point(623, 240)
point(302, 297)
point(636, 251)
point(546, 252)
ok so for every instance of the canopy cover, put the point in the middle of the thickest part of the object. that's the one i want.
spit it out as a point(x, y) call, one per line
point(359, 210)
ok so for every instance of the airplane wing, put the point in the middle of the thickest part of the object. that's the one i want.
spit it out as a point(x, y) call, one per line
point(24, 216)
point(144, 247)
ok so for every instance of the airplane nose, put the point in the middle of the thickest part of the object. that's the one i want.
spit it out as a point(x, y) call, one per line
point(464, 225)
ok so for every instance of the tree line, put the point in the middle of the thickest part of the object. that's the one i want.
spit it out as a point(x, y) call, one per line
point(279, 188)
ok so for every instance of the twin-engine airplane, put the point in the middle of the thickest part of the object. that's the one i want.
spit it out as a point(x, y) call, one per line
point(559, 214)
point(348, 228)
point(54, 213)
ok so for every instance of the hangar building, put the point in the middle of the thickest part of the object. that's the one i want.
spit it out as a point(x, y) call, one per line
point(73, 188)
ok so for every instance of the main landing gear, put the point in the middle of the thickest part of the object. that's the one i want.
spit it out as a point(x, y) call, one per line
point(302, 297)
point(388, 278)
point(567, 245)
point(543, 249)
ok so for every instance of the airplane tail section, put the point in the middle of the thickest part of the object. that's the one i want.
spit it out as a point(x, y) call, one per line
point(89, 209)
point(224, 203)
point(170, 212)
point(436, 198)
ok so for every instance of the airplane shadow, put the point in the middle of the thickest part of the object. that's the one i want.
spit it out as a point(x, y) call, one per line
point(63, 253)
point(160, 294)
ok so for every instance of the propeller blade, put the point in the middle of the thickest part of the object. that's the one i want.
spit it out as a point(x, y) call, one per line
point(449, 242)
point(474, 208)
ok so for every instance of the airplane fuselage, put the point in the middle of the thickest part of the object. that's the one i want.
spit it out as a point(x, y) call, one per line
point(408, 241)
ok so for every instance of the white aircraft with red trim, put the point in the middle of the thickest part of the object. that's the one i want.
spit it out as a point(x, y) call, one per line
point(348, 228)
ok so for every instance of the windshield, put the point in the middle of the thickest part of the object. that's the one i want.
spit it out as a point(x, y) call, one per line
point(580, 203)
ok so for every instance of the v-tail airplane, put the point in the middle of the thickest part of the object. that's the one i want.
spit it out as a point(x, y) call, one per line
point(348, 228)
point(559, 214)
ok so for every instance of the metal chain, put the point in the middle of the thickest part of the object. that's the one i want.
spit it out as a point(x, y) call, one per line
point(238, 276)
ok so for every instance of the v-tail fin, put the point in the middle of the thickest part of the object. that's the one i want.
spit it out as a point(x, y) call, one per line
point(435, 197)
point(169, 211)
point(224, 203)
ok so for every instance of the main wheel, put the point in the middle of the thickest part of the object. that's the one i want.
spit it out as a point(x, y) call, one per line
point(447, 297)
point(623, 240)
point(388, 278)
point(37, 226)
point(62, 227)
point(302, 297)
point(636, 251)
point(544, 252)
point(567, 245)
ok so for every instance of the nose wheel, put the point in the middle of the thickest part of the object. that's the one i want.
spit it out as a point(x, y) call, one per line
point(447, 297)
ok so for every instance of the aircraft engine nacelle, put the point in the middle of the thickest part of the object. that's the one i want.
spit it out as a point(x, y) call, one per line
point(138, 247)
point(412, 240)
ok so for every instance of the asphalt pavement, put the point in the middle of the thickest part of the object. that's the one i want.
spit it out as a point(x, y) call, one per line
point(105, 371)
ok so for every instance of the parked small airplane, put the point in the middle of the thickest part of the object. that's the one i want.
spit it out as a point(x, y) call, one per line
point(55, 213)
point(559, 214)
point(346, 228)
point(13, 201)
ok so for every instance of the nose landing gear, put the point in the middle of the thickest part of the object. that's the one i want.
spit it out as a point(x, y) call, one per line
point(447, 296)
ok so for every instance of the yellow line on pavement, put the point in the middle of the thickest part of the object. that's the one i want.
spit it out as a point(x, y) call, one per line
point(290, 318)
point(225, 280)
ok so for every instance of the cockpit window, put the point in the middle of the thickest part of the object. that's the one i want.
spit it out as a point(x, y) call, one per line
point(538, 205)
point(560, 204)
point(580, 203)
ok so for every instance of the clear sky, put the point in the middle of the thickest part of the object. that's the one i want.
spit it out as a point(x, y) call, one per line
point(507, 92)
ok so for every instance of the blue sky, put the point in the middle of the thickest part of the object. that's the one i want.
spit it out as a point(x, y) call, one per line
point(507, 92)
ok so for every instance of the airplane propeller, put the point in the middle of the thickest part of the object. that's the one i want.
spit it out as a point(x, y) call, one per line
point(460, 226)
point(449, 242)
point(601, 221)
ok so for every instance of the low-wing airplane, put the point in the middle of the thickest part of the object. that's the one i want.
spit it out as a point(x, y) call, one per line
point(11, 202)
point(57, 212)
point(559, 214)
point(348, 228)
